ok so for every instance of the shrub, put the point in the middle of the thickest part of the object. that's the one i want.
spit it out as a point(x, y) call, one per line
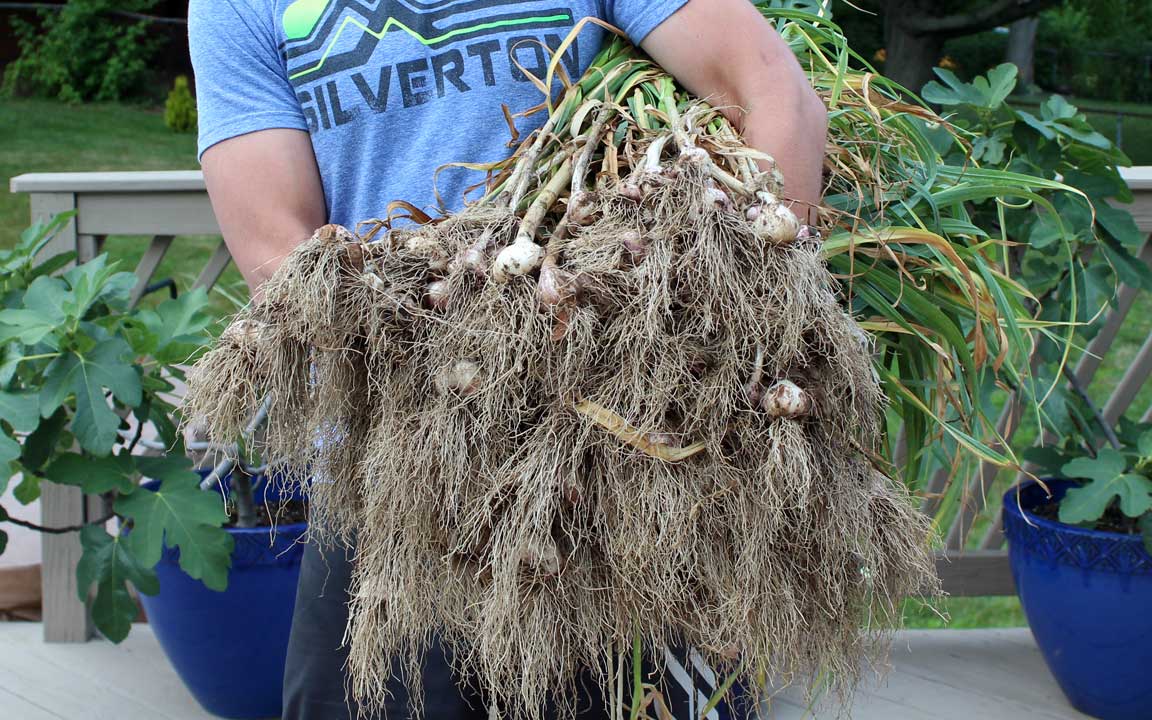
point(976, 54)
point(82, 52)
point(1097, 51)
point(180, 108)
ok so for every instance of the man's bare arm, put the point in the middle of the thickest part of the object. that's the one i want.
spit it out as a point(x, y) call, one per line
point(267, 196)
point(725, 51)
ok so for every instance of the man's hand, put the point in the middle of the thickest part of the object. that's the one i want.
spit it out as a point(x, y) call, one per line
point(267, 196)
point(726, 52)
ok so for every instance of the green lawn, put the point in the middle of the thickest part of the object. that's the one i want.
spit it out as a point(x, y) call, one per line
point(46, 136)
point(39, 136)
point(965, 613)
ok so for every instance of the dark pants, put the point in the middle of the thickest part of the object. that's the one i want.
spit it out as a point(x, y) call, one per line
point(314, 676)
point(315, 679)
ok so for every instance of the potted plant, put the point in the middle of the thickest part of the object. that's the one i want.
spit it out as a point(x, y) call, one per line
point(203, 629)
point(84, 378)
point(1082, 572)
point(1080, 547)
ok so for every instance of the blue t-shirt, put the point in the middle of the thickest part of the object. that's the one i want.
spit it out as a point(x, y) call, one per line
point(390, 90)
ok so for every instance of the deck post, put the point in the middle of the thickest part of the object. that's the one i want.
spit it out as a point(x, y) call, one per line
point(66, 618)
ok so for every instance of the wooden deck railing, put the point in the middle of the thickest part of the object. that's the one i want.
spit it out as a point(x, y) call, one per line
point(164, 205)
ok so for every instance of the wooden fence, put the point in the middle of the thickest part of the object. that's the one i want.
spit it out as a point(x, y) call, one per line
point(162, 206)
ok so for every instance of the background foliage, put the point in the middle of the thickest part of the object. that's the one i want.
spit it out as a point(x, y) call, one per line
point(81, 53)
point(1070, 260)
point(1097, 49)
point(180, 108)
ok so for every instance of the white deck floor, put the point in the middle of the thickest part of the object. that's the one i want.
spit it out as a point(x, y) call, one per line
point(936, 675)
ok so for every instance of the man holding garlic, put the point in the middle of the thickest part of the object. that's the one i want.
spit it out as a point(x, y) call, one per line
point(315, 112)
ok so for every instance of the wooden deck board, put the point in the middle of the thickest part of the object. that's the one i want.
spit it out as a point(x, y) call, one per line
point(954, 675)
point(935, 675)
point(90, 681)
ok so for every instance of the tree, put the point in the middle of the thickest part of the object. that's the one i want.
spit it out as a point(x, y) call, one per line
point(915, 30)
point(1022, 51)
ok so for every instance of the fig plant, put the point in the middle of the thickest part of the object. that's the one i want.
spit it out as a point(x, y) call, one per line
point(83, 377)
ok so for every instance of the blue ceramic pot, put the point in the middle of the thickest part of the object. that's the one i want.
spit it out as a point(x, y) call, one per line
point(229, 647)
point(1088, 598)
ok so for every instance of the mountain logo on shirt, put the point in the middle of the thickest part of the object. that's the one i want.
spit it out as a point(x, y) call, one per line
point(317, 31)
point(331, 57)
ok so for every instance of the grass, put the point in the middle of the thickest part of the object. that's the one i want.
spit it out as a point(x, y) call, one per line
point(47, 136)
point(42, 136)
point(962, 613)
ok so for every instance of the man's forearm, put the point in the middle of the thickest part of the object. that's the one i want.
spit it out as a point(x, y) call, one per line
point(790, 123)
point(726, 52)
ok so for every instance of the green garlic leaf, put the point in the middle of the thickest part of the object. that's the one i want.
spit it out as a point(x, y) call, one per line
point(94, 475)
point(179, 514)
point(109, 563)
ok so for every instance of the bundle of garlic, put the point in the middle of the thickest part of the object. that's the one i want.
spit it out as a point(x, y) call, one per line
point(619, 397)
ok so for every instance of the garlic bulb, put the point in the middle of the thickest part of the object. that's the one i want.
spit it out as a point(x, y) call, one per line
point(787, 400)
point(436, 295)
point(430, 249)
point(519, 258)
point(716, 196)
point(555, 286)
point(777, 224)
point(582, 208)
point(462, 378)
